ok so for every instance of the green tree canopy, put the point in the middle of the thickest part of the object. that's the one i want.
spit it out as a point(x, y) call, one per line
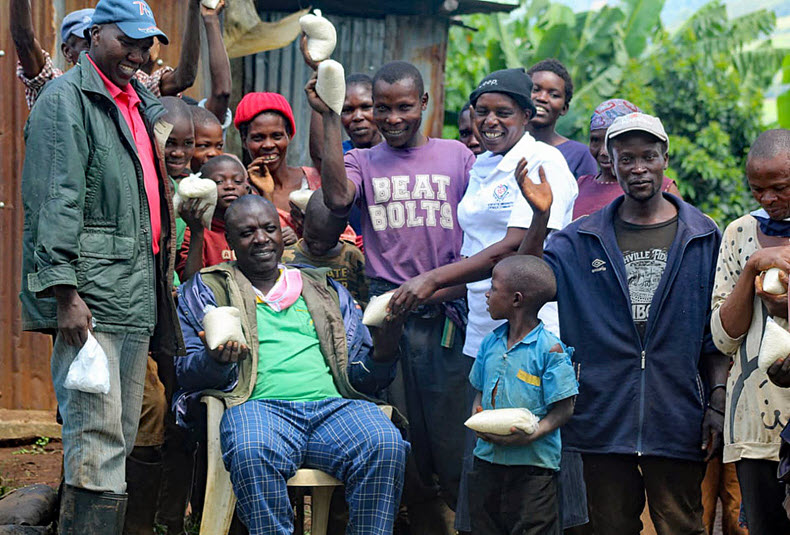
point(705, 80)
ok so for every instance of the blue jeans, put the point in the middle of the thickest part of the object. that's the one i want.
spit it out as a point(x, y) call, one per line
point(99, 429)
point(264, 442)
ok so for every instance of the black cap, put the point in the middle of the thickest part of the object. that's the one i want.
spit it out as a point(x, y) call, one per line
point(514, 83)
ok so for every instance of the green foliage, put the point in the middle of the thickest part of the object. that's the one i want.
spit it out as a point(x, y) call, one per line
point(38, 447)
point(706, 80)
point(783, 100)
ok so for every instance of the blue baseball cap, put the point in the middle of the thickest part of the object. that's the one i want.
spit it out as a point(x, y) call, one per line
point(133, 17)
point(75, 23)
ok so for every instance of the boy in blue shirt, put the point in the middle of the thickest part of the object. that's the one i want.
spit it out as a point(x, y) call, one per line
point(520, 364)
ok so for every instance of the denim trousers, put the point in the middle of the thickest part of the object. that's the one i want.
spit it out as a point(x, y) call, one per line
point(264, 442)
point(99, 429)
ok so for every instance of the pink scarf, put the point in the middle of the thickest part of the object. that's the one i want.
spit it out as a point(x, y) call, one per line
point(285, 291)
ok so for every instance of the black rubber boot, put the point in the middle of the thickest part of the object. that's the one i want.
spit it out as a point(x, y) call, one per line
point(86, 512)
point(143, 476)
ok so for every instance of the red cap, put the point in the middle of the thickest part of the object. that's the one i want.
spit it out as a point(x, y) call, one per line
point(255, 103)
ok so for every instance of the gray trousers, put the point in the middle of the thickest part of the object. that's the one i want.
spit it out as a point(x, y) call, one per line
point(99, 429)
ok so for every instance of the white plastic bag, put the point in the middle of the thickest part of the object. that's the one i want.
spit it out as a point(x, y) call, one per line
point(195, 186)
point(89, 372)
point(499, 421)
point(222, 325)
point(376, 311)
point(775, 345)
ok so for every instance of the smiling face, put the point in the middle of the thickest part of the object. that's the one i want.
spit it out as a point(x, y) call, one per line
point(500, 121)
point(397, 111)
point(268, 137)
point(548, 95)
point(357, 116)
point(769, 180)
point(253, 232)
point(179, 146)
point(117, 55)
point(639, 161)
point(598, 151)
point(208, 144)
point(466, 133)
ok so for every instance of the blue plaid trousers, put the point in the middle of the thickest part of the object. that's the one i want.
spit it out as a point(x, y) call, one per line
point(264, 442)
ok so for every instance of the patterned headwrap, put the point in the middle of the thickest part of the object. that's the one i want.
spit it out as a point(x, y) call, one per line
point(609, 110)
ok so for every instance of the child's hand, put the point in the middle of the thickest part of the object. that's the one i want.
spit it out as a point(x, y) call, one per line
point(516, 437)
point(192, 213)
point(289, 236)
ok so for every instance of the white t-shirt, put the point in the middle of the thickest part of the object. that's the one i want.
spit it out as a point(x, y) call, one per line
point(493, 202)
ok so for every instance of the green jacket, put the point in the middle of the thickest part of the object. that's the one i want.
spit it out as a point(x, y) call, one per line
point(87, 221)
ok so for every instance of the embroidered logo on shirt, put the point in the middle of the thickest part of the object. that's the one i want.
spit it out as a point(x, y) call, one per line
point(598, 265)
point(500, 192)
point(528, 378)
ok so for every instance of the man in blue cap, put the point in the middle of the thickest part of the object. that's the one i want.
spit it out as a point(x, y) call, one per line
point(35, 66)
point(98, 250)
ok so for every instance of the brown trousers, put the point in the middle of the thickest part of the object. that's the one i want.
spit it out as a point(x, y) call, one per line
point(721, 483)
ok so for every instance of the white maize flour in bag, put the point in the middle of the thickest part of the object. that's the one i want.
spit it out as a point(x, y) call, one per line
point(499, 421)
point(771, 282)
point(376, 311)
point(89, 371)
point(222, 325)
point(300, 198)
point(775, 345)
point(195, 186)
point(321, 36)
point(331, 84)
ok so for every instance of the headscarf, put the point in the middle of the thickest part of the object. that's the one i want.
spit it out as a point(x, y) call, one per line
point(609, 110)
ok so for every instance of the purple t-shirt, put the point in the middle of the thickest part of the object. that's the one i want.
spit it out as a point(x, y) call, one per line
point(409, 199)
point(579, 159)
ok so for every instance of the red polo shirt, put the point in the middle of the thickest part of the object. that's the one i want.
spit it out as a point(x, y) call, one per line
point(128, 103)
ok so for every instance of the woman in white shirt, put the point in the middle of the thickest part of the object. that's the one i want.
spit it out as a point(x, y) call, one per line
point(494, 217)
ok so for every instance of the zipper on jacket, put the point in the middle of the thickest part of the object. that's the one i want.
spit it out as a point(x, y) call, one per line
point(641, 405)
point(642, 345)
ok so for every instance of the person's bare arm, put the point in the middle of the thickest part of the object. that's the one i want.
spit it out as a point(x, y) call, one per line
point(716, 367)
point(477, 267)
point(192, 214)
point(28, 49)
point(183, 76)
point(339, 191)
point(219, 64)
point(316, 142)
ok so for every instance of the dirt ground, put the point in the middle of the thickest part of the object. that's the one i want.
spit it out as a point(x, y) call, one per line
point(23, 464)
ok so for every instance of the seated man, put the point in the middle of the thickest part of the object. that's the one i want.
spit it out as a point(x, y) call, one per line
point(298, 395)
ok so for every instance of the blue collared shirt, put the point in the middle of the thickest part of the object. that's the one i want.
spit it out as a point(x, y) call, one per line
point(528, 375)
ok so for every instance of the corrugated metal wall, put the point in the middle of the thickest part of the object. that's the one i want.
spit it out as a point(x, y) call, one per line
point(363, 46)
point(25, 381)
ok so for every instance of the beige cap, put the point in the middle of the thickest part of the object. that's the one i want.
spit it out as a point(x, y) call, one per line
point(641, 122)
